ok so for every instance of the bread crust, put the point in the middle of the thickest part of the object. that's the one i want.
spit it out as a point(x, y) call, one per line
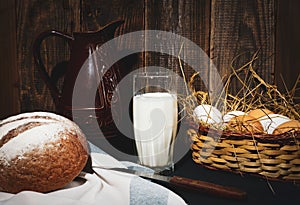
point(48, 167)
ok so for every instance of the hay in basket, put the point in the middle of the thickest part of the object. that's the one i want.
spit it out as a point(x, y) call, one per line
point(235, 148)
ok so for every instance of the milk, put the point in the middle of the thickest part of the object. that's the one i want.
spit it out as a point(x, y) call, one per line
point(155, 125)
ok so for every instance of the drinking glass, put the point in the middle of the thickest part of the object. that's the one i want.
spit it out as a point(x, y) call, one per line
point(155, 113)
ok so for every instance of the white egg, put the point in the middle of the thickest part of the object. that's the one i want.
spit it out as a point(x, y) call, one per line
point(208, 114)
point(271, 121)
point(227, 117)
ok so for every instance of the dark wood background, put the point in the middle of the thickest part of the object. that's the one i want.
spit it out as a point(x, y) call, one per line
point(222, 28)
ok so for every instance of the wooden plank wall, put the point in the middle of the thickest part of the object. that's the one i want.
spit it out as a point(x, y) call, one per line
point(34, 17)
point(241, 28)
point(9, 93)
point(287, 65)
point(222, 28)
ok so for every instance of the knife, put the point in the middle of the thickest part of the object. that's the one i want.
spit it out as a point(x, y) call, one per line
point(187, 183)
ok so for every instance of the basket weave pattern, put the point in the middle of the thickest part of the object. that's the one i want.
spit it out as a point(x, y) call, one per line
point(274, 157)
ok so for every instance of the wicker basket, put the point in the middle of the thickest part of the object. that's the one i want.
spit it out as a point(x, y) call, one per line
point(273, 156)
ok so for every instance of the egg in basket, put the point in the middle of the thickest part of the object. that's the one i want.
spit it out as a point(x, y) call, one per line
point(257, 132)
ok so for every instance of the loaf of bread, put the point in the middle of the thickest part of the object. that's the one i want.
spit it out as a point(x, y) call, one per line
point(40, 151)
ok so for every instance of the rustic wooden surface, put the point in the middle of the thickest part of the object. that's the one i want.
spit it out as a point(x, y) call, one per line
point(222, 28)
point(9, 93)
point(34, 17)
point(287, 46)
point(188, 18)
point(238, 30)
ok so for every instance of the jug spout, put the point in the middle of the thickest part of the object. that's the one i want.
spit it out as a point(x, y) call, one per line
point(110, 28)
point(92, 38)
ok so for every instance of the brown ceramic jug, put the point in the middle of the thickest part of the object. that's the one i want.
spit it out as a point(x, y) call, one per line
point(89, 117)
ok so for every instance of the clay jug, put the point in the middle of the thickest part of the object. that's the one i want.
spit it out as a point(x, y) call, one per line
point(90, 117)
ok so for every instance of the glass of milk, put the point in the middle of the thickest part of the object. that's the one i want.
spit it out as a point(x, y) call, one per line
point(155, 114)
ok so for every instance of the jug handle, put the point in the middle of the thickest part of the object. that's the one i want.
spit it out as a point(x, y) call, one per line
point(40, 65)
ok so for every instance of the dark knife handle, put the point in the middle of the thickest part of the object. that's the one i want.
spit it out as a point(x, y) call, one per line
point(209, 188)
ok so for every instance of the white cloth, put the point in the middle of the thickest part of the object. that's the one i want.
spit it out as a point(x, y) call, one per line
point(103, 187)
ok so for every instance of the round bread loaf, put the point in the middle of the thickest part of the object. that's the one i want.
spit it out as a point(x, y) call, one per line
point(40, 151)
